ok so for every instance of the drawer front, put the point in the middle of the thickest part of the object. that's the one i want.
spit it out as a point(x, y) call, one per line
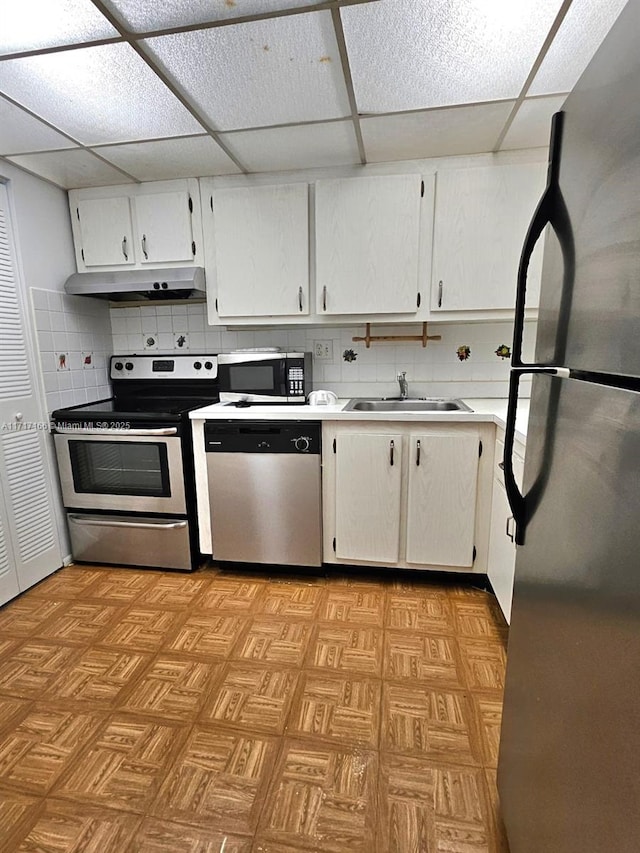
point(518, 465)
point(156, 543)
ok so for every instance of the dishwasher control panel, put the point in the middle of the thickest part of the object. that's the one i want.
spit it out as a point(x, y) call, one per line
point(262, 437)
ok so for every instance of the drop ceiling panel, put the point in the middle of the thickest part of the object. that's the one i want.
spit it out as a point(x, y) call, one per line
point(586, 24)
point(183, 157)
point(412, 54)
point(97, 94)
point(531, 127)
point(71, 169)
point(21, 132)
point(145, 15)
point(264, 72)
point(36, 24)
point(436, 133)
point(301, 147)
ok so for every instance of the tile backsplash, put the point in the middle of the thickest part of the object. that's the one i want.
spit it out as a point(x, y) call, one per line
point(436, 370)
point(74, 340)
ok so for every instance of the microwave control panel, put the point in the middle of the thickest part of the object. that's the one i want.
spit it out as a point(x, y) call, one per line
point(295, 380)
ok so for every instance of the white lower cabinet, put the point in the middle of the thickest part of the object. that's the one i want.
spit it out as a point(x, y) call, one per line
point(502, 548)
point(368, 491)
point(398, 497)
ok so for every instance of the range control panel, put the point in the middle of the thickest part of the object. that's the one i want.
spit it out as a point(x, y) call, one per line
point(198, 366)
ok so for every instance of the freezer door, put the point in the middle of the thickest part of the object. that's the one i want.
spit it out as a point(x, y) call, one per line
point(570, 748)
point(596, 326)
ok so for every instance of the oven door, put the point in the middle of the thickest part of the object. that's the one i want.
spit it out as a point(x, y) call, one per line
point(134, 471)
point(259, 377)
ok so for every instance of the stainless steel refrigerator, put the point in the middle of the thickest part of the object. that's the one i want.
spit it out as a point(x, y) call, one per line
point(569, 768)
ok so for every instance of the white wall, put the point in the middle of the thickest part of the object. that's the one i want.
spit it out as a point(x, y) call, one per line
point(432, 371)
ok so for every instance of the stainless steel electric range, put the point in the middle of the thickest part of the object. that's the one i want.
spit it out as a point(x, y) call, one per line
point(126, 463)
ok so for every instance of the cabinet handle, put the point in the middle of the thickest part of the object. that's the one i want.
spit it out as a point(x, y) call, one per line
point(144, 247)
point(418, 452)
point(501, 466)
point(509, 533)
point(124, 248)
point(391, 449)
point(300, 298)
point(324, 298)
point(440, 287)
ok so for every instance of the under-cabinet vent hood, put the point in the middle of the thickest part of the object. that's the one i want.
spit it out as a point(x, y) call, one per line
point(127, 285)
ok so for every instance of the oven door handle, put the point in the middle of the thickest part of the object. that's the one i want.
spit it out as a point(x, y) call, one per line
point(94, 522)
point(122, 432)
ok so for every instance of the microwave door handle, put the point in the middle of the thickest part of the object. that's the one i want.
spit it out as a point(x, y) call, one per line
point(120, 432)
point(283, 377)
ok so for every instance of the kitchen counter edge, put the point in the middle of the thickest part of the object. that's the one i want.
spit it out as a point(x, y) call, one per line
point(485, 410)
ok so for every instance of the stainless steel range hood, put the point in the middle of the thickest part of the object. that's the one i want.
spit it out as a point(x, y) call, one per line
point(128, 285)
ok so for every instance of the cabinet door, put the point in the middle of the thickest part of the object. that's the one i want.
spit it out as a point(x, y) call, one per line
point(367, 245)
point(29, 547)
point(262, 250)
point(481, 220)
point(502, 550)
point(368, 479)
point(105, 231)
point(441, 510)
point(164, 227)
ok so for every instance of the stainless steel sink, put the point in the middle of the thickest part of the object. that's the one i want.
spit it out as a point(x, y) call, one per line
point(408, 404)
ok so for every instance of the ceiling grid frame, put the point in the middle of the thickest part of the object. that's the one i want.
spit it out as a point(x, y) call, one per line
point(223, 138)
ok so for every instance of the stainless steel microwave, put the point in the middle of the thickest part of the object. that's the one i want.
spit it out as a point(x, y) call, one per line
point(264, 377)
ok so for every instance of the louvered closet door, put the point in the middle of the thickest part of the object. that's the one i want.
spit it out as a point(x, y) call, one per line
point(29, 549)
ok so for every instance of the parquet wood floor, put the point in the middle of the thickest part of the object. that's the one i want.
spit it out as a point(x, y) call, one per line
point(232, 711)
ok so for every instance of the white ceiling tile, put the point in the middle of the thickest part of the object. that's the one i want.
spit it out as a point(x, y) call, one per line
point(21, 132)
point(586, 24)
point(302, 147)
point(146, 15)
point(260, 73)
point(182, 157)
point(531, 128)
point(436, 133)
point(36, 24)
point(71, 169)
point(412, 54)
point(97, 94)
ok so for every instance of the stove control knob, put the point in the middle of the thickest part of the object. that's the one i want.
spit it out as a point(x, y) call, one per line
point(118, 365)
point(129, 365)
point(197, 365)
point(301, 443)
point(208, 365)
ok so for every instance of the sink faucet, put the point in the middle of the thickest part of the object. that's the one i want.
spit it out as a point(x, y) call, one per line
point(404, 385)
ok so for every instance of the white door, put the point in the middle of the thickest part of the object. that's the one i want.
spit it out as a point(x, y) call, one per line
point(262, 250)
point(502, 549)
point(105, 231)
point(9, 587)
point(368, 485)
point(367, 245)
point(164, 227)
point(441, 510)
point(29, 525)
point(481, 220)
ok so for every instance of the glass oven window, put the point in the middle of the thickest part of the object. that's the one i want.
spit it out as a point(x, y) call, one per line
point(120, 468)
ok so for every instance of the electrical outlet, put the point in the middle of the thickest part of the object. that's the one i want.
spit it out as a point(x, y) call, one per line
point(323, 350)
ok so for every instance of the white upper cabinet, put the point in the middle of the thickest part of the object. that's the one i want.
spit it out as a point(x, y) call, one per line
point(137, 225)
point(261, 239)
point(165, 227)
point(368, 245)
point(106, 231)
point(481, 220)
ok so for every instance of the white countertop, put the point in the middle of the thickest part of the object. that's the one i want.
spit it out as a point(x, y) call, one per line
point(486, 410)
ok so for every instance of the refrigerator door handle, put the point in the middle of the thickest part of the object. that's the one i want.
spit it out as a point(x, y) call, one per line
point(551, 210)
point(518, 501)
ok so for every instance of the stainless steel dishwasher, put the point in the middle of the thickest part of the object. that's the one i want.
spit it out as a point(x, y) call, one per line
point(265, 491)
